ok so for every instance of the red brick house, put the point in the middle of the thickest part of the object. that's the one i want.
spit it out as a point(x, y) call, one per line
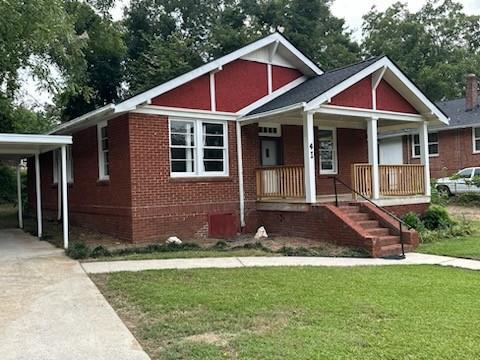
point(452, 146)
point(253, 138)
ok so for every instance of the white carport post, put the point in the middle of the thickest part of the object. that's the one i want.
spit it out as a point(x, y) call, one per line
point(372, 133)
point(309, 158)
point(19, 198)
point(424, 156)
point(39, 195)
point(64, 196)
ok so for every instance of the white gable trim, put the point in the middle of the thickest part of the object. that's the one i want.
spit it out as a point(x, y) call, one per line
point(388, 64)
point(211, 66)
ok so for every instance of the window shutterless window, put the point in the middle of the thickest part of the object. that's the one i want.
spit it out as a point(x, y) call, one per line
point(328, 150)
point(57, 163)
point(476, 139)
point(432, 145)
point(198, 148)
point(103, 160)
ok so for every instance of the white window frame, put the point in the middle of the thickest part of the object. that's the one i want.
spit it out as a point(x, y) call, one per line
point(334, 155)
point(56, 164)
point(429, 143)
point(474, 147)
point(198, 148)
point(101, 159)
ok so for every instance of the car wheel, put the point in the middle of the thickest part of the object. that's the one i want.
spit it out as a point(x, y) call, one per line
point(444, 190)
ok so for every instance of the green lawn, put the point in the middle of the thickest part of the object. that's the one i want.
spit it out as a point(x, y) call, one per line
point(392, 312)
point(466, 246)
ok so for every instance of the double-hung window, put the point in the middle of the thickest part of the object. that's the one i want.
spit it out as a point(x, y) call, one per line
point(198, 148)
point(57, 164)
point(103, 161)
point(432, 145)
point(476, 139)
point(328, 150)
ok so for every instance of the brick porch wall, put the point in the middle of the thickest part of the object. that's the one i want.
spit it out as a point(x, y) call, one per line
point(352, 148)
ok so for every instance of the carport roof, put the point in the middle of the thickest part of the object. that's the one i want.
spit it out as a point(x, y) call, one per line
point(15, 145)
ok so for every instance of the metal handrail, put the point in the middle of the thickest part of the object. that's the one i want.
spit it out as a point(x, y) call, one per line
point(401, 223)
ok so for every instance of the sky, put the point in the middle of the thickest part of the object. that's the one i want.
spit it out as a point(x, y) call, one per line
point(350, 10)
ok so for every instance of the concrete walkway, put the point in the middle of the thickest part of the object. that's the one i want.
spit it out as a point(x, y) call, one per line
point(50, 309)
point(237, 262)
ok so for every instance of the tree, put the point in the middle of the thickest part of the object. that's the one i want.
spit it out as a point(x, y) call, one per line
point(167, 37)
point(103, 51)
point(436, 47)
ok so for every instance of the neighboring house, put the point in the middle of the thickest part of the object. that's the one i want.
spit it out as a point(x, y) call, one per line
point(250, 139)
point(452, 146)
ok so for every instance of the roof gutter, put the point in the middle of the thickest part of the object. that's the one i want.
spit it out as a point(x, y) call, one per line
point(300, 105)
point(110, 108)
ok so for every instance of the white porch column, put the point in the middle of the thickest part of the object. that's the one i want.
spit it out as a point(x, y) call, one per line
point(59, 185)
point(373, 156)
point(19, 198)
point(309, 158)
point(424, 156)
point(64, 197)
point(39, 196)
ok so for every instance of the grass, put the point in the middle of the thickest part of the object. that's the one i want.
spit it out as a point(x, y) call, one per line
point(465, 247)
point(394, 312)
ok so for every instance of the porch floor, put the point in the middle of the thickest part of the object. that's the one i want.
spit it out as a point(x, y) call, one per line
point(325, 199)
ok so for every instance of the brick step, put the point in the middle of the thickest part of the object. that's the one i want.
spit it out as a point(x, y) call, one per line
point(388, 240)
point(349, 209)
point(359, 216)
point(380, 231)
point(369, 224)
point(392, 250)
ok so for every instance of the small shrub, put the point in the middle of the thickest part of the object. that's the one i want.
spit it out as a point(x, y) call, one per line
point(467, 199)
point(436, 217)
point(78, 250)
point(220, 245)
point(438, 198)
point(413, 220)
point(100, 251)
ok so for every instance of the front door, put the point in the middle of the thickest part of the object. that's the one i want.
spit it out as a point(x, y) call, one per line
point(270, 153)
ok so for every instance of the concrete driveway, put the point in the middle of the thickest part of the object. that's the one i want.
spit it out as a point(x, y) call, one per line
point(50, 309)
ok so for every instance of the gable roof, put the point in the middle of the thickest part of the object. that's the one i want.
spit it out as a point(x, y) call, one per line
point(305, 64)
point(334, 82)
point(314, 87)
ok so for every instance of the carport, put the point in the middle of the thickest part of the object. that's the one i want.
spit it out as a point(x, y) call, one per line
point(15, 147)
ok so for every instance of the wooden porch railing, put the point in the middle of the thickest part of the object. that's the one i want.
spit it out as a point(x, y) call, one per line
point(281, 182)
point(395, 180)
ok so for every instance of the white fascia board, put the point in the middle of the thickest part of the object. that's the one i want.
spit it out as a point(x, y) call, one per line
point(383, 62)
point(272, 96)
point(131, 103)
point(256, 117)
point(181, 112)
point(110, 108)
point(31, 139)
point(368, 113)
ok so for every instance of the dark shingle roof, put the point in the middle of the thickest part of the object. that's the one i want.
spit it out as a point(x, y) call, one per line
point(314, 87)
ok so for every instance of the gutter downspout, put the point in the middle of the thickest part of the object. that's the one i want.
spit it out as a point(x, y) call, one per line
point(240, 174)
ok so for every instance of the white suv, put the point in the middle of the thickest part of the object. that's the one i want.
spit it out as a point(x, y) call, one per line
point(461, 182)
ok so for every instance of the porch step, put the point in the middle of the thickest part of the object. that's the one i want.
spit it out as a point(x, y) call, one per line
point(369, 224)
point(392, 250)
point(350, 209)
point(379, 231)
point(388, 240)
point(359, 216)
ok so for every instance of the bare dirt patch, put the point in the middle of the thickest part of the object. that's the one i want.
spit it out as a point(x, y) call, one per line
point(464, 212)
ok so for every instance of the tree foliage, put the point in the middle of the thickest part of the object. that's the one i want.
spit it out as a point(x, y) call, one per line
point(436, 46)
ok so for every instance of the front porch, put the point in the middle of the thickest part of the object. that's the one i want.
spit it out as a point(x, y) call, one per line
point(398, 184)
